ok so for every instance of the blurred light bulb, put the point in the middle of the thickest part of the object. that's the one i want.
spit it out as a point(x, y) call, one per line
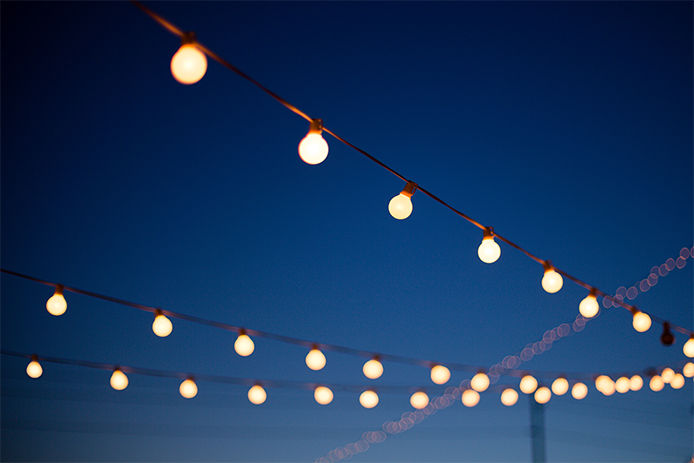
point(400, 207)
point(579, 391)
point(667, 338)
point(257, 395)
point(313, 149)
point(560, 386)
point(677, 381)
point(542, 395)
point(188, 64)
point(323, 395)
point(188, 389)
point(688, 370)
point(509, 397)
point(440, 374)
point(373, 369)
point(667, 374)
point(419, 400)
point(480, 382)
point(56, 304)
point(470, 398)
point(161, 326)
point(635, 383)
point(688, 347)
point(589, 306)
point(551, 280)
point(622, 385)
point(315, 359)
point(368, 399)
point(244, 344)
point(528, 384)
point(641, 321)
point(489, 251)
point(603, 382)
point(34, 369)
point(656, 383)
point(118, 380)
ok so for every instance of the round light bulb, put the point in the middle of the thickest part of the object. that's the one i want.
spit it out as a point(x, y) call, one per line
point(419, 400)
point(34, 369)
point(542, 395)
point(667, 374)
point(622, 385)
point(118, 380)
point(188, 389)
point(603, 382)
point(656, 383)
point(162, 326)
point(635, 383)
point(589, 306)
point(560, 386)
point(489, 251)
point(552, 281)
point(688, 370)
point(440, 374)
point(400, 207)
point(257, 394)
point(188, 64)
point(313, 149)
point(244, 345)
point(470, 398)
point(641, 321)
point(677, 381)
point(56, 304)
point(579, 391)
point(373, 369)
point(688, 347)
point(528, 384)
point(480, 382)
point(323, 395)
point(315, 359)
point(509, 397)
point(368, 399)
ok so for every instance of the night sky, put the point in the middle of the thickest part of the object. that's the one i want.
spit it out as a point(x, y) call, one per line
point(566, 126)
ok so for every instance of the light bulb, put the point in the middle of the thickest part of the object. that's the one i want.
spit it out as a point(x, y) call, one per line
point(56, 304)
point(528, 384)
point(667, 338)
point(589, 306)
point(622, 385)
point(313, 149)
point(34, 369)
point(440, 374)
point(488, 251)
point(560, 386)
point(161, 326)
point(551, 280)
point(118, 380)
point(188, 64)
point(188, 389)
point(480, 382)
point(419, 400)
point(368, 399)
point(667, 374)
point(470, 398)
point(315, 359)
point(641, 321)
point(688, 370)
point(373, 369)
point(603, 382)
point(677, 381)
point(579, 391)
point(635, 383)
point(323, 395)
point(656, 383)
point(609, 389)
point(509, 397)
point(400, 207)
point(244, 344)
point(542, 395)
point(688, 347)
point(257, 395)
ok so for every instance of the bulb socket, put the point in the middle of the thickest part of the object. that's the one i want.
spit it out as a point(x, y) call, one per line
point(188, 38)
point(488, 232)
point(59, 289)
point(316, 126)
point(547, 266)
point(409, 189)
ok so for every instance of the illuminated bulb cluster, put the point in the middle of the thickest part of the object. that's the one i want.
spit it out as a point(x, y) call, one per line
point(34, 369)
point(419, 400)
point(188, 64)
point(604, 384)
point(528, 384)
point(56, 304)
point(119, 380)
point(323, 395)
point(313, 149)
point(488, 251)
point(315, 359)
point(552, 281)
point(161, 325)
point(509, 397)
point(667, 374)
point(400, 207)
point(470, 398)
point(440, 374)
point(373, 369)
point(188, 389)
point(244, 345)
point(368, 399)
point(257, 395)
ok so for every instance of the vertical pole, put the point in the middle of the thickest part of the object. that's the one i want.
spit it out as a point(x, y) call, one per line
point(537, 431)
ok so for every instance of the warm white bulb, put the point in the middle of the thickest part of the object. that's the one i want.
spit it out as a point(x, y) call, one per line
point(667, 374)
point(480, 382)
point(470, 398)
point(509, 397)
point(489, 251)
point(656, 383)
point(373, 369)
point(315, 359)
point(118, 380)
point(440, 374)
point(603, 382)
point(313, 149)
point(400, 206)
point(528, 384)
point(188, 389)
point(688, 347)
point(552, 281)
point(323, 395)
point(677, 381)
point(368, 399)
point(641, 322)
point(542, 395)
point(257, 395)
point(56, 304)
point(589, 306)
point(419, 400)
point(579, 391)
point(635, 383)
point(188, 64)
point(560, 386)
point(622, 385)
point(688, 370)
point(34, 369)
point(162, 326)
point(244, 345)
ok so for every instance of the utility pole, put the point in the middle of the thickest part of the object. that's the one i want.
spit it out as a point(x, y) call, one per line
point(537, 430)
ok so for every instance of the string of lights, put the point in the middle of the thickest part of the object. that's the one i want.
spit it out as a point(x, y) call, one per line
point(189, 65)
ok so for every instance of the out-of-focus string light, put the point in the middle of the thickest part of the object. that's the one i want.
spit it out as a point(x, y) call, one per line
point(257, 394)
point(489, 250)
point(641, 321)
point(400, 207)
point(244, 345)
point(589, 306)
point(188, 64)
point(470, 398)
point(666, 337)
point(56, 304)
point(419, 400)
point(373, 369)
point(368, 398)
point(622, 384)
point(323, 395)
point(552, 281)
point(161, 326)
point(688, 370)
point(688, 347)
point(677, 381)
point(656, 383)
point(119, 380)
point(603, 382)
point(635, 383)
point(188, 389)
point(315, 359)
point(528, 384)
point(560, 386)
point(667, 374)
point(34, 369)
point(509, 397)
point(440, 374)
point(542, 395)
point(313, 149)
point(480, 382)
point(579, 391)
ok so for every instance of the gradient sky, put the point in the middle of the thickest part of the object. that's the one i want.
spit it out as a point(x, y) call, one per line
point(566, 126)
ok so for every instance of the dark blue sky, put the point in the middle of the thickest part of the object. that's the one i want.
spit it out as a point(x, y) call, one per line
point(566, 126)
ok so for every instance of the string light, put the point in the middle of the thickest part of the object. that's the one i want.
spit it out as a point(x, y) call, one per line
point(688, 370)
point(188, 64)
point(419, 400)
point(470, 398)
point(667, 338)
point(528, 384)
point(622, 384)
point(635, 383)
point(677, 381)
point(560, 386)
point(603, 383)
point(480, 382)
point(257, 394)
point(34, 369)
point(161, 326)
point(579, 391)
point(440, 374)
point(656, 383)
point(589, 306)
point(551, 280)
point(188, 389)
point(509, 397)
point(400, 207)
point(313, 149)
point(542, 395)
point(368, 398)
point(244, 345)
point(315, 359)
point(688, 347)
point(323, 395)
point(667, 374)
point(641, 321)
point(488, 251)
point(56, 304)
point(119, 380)
point(373, 369)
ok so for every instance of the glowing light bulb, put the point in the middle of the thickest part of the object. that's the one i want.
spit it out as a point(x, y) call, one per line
point(635, 383)
point(677, 381)
point(688, 370)
point(368, 399)
point(489, 251)
point(315, 359)
point(641, 321)
point(419, 400)
point(622, 385)
point(440, 374)
point(118, 380)
point(373, 369)
point(560, 386)
point(323, 395)
point(603, 383)
point(34, 369)
point(667, 374)
point(528, 384)
point(257, 395)
point(509, 397)
point(480, 382)
point(688, 347)
point(400, 207)
point(542, 395)
point(470, 398)
point(56, 304)
point(579, 391)
point(551, 280)
point(313, 149)
point(188, 389)
point(161, 326)
point(656, 383)
point(589, 306)
point(244, 344)
point(188, 64)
